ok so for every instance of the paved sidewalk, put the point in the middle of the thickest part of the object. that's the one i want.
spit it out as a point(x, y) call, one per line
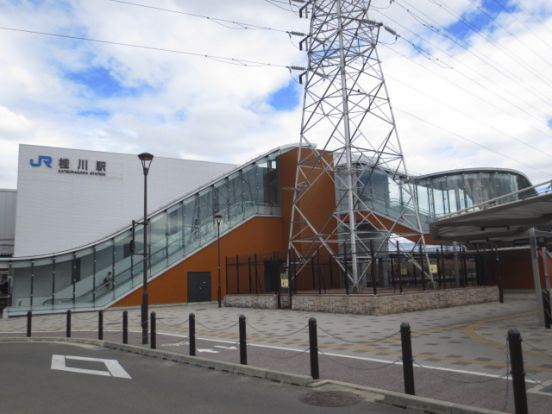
point(466, 344)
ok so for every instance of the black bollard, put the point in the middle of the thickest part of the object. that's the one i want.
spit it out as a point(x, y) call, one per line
point(408, 361)
point(153, 333)
point(29, 323)
point(125, 327)
point(243, 341)
point(100, 325)
point(518, 372)
point(191, 334)
point(68, 326)
point(313, 344)
point(546, 306)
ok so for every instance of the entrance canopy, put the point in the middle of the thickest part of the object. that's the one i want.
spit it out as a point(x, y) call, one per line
point(503, 220)
point(507, 220)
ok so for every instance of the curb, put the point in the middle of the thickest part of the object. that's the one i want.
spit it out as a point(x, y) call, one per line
point(395, 399)
point(400, 400)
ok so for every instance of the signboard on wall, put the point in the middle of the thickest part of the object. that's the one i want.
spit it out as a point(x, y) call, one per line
point(66, 165)
point(284, 282)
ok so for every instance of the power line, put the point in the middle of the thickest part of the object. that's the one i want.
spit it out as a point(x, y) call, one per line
point(490, 41)
point(514, 17)
point(539, 150)
point(490, 103)
point(221, 59)
point(537, 54)
point(464, 138)
point(277, 3)
point(441, 64)
point(484, 60)
point(503, 97)
point(237, 25)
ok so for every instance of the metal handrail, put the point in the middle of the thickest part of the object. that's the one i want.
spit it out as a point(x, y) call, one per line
point(499, 201)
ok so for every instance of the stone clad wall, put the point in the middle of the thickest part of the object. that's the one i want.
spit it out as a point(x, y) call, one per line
point(370, 304)
point(269, 301)
point(396, 303)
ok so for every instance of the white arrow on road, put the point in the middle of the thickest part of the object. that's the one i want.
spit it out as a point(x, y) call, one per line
point(181, 343)
point(209, 351)
point(229, 348)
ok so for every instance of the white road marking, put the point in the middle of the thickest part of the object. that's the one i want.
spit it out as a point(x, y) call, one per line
point(181, 343)
point(207, 350)
point(228, 348)
point(114, 369)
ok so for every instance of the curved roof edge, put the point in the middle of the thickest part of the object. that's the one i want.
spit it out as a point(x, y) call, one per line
point(468, 170)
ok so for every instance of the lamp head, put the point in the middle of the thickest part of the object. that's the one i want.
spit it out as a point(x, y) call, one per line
point(145, 158)
point(218, 218)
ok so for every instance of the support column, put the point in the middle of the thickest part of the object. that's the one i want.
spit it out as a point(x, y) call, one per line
point(536, 275)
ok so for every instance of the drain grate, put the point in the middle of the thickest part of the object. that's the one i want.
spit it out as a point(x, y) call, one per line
point(331, 398)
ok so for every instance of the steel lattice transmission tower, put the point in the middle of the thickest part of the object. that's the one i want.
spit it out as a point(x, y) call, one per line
point(349, 136)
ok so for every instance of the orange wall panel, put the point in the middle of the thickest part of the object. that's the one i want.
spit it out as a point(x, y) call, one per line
point(258, 235)
point(318, 204)
point(516, 270)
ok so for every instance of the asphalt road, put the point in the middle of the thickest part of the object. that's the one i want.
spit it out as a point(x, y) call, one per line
point(137, 384)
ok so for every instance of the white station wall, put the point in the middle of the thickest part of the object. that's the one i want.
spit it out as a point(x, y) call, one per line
point(7, 221)
point(67, 198)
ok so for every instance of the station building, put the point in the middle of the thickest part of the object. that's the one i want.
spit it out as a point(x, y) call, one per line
point(71, 233)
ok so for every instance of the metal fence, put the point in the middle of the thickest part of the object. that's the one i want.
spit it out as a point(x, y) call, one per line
point(389, 271)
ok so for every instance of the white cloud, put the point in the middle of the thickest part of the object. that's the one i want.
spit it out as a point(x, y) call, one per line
point(193, 107)
point(13, 125)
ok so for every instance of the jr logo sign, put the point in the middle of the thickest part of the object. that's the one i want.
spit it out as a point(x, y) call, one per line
point(42, 159)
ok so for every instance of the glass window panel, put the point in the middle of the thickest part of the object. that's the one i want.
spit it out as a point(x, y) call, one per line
point(272, 186)
point(123, 260)
point(438, 197)
point(158, 238)
point(248, 183)
point(423, 200)
point(104, 270)
point(174, 226)
point(21, 283)
point(43, 282)
point(452, 200)
point(86, 262)
point(66, 275)
point(85, 286)
point(222, 190)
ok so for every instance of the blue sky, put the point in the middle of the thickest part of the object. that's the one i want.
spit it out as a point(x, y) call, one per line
point(477, 20)
point(95, 96)
point(101, 83)
point(286, 98)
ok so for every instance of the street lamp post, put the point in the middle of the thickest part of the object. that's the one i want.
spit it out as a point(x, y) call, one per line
point(218, 219)
point(146, 159)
